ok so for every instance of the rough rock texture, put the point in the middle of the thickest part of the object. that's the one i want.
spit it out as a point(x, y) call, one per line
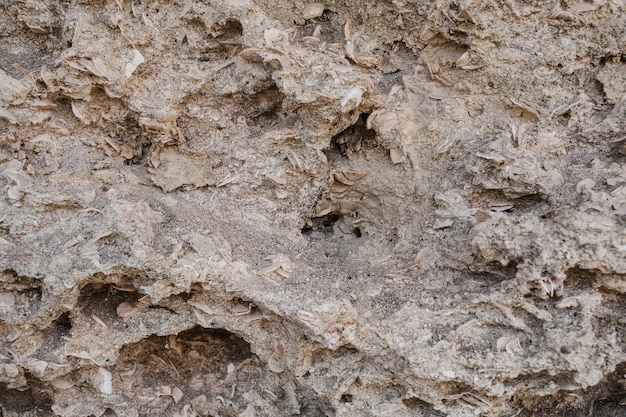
point(277, 208)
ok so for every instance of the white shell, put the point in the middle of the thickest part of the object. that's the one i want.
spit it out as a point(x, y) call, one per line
point(313, 10)
point(355, 93)
point(177, 394)
point(61, 383)
point(106, 384)
point(464, 59)
point(131, 66)
point(125, 309)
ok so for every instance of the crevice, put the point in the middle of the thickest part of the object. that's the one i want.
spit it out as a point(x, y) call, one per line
point(264, 107)
point(602, 400)
point(580, 279)
point(323, 224)
point(421, 408)
point(352, 139)
point(331, 26)
point(337, 230)
point(223, 41)
point(231, 29)
point(492, 273)
point(29, 402)
point(54, 335)
point(102, 301)
point(196, 361)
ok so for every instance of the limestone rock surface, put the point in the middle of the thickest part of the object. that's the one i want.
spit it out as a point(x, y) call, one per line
point(341, 208)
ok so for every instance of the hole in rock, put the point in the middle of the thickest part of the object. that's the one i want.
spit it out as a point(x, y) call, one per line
point(329, 225)
point(102, 300)
point(196, 361)
point(421, 408)
point(263, 107)
point(581, 279)
point(322, 224)
point(53, 336)
point(331, 24)
point(96, 306)
point(231, 29)
point(352, 139)
point(607, 398)
point(601, 400)
point(31, 402)
point(63, 324)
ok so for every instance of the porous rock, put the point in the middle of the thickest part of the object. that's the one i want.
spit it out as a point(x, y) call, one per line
point(276, 208)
